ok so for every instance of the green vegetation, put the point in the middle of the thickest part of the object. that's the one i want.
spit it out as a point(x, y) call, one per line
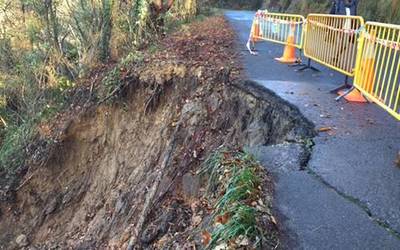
point(112, 82)
point(240, 210)
point(48, 47)
point(243, 223)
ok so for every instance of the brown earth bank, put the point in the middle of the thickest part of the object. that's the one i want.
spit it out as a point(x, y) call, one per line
point(124, 175)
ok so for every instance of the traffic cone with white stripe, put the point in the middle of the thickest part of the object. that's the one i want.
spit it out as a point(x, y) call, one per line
point(367, 74)
point(255, 29)
point(289, 53)
point(368, 68)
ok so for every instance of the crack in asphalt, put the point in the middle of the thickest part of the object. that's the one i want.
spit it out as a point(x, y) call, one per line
point(355, 201)
point(304, 166)
point(304, 160)
point(309, 146)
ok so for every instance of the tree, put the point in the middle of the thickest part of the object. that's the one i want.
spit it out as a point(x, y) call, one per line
point(106, 29)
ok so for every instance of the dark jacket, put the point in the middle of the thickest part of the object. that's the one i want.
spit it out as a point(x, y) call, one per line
point(339, 7)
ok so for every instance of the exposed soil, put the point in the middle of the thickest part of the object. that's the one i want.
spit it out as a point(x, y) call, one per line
point(118, 175)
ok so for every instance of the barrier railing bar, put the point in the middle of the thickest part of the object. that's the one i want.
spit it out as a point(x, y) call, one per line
point(377, 55)
point(381, 59)
point(397, 71)
point(380, 104)
point(387, 68)
point(342, 54)
point(327, 30)
point(381, 71)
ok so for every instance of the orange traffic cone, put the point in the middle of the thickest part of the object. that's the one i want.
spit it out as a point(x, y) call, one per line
point(368, 69)
point(352, 96)
point(367, 74)
point(255, 29)
point(289, 53)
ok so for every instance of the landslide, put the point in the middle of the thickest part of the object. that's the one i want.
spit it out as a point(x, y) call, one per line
point(123, 174)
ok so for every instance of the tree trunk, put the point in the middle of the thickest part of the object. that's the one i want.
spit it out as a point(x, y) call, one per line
point(106, 29)
point(186, 8)
point(52, 24)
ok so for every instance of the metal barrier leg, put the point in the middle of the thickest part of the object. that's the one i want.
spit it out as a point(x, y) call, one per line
point(353, 95)
point(346, 85)
point(308, 66)
point(250, 45)
point(299, 62)
point(344, 94)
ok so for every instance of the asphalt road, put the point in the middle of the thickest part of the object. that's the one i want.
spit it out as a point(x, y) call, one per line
point(349, 195)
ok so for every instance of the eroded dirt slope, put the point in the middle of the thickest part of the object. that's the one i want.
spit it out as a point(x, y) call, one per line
point(117, 177)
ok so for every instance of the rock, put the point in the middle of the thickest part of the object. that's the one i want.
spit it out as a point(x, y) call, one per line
point(243, 241)
point(214, 102)
point(282, 158)
point(196, 220)
point(222, 246)
point(86, 244)
point(191, 108)
point(159, 227)
point(52, 206)
point(22, 240)
point(191, 185)
point(150, 234)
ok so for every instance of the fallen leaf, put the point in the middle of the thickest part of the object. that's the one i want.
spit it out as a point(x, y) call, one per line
point(325, 129)
point(222, 219)
point(273, 220)
point(397, 161)
point(205, 238)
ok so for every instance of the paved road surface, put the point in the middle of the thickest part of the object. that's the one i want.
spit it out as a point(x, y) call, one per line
point(349, 195)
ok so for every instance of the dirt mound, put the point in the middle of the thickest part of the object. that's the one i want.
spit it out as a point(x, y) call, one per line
point(121, 173)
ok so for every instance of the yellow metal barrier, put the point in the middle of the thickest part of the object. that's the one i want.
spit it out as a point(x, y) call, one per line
point(332, 41)
point(284, 29)
point(378, 66)
point(369, 52)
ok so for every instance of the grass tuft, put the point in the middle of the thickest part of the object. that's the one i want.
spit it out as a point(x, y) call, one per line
point(243, 223)
point(113, 81)
point(235, 182)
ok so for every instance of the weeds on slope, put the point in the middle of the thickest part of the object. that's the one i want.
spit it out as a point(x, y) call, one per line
point(242, 212)
point(22, 124)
